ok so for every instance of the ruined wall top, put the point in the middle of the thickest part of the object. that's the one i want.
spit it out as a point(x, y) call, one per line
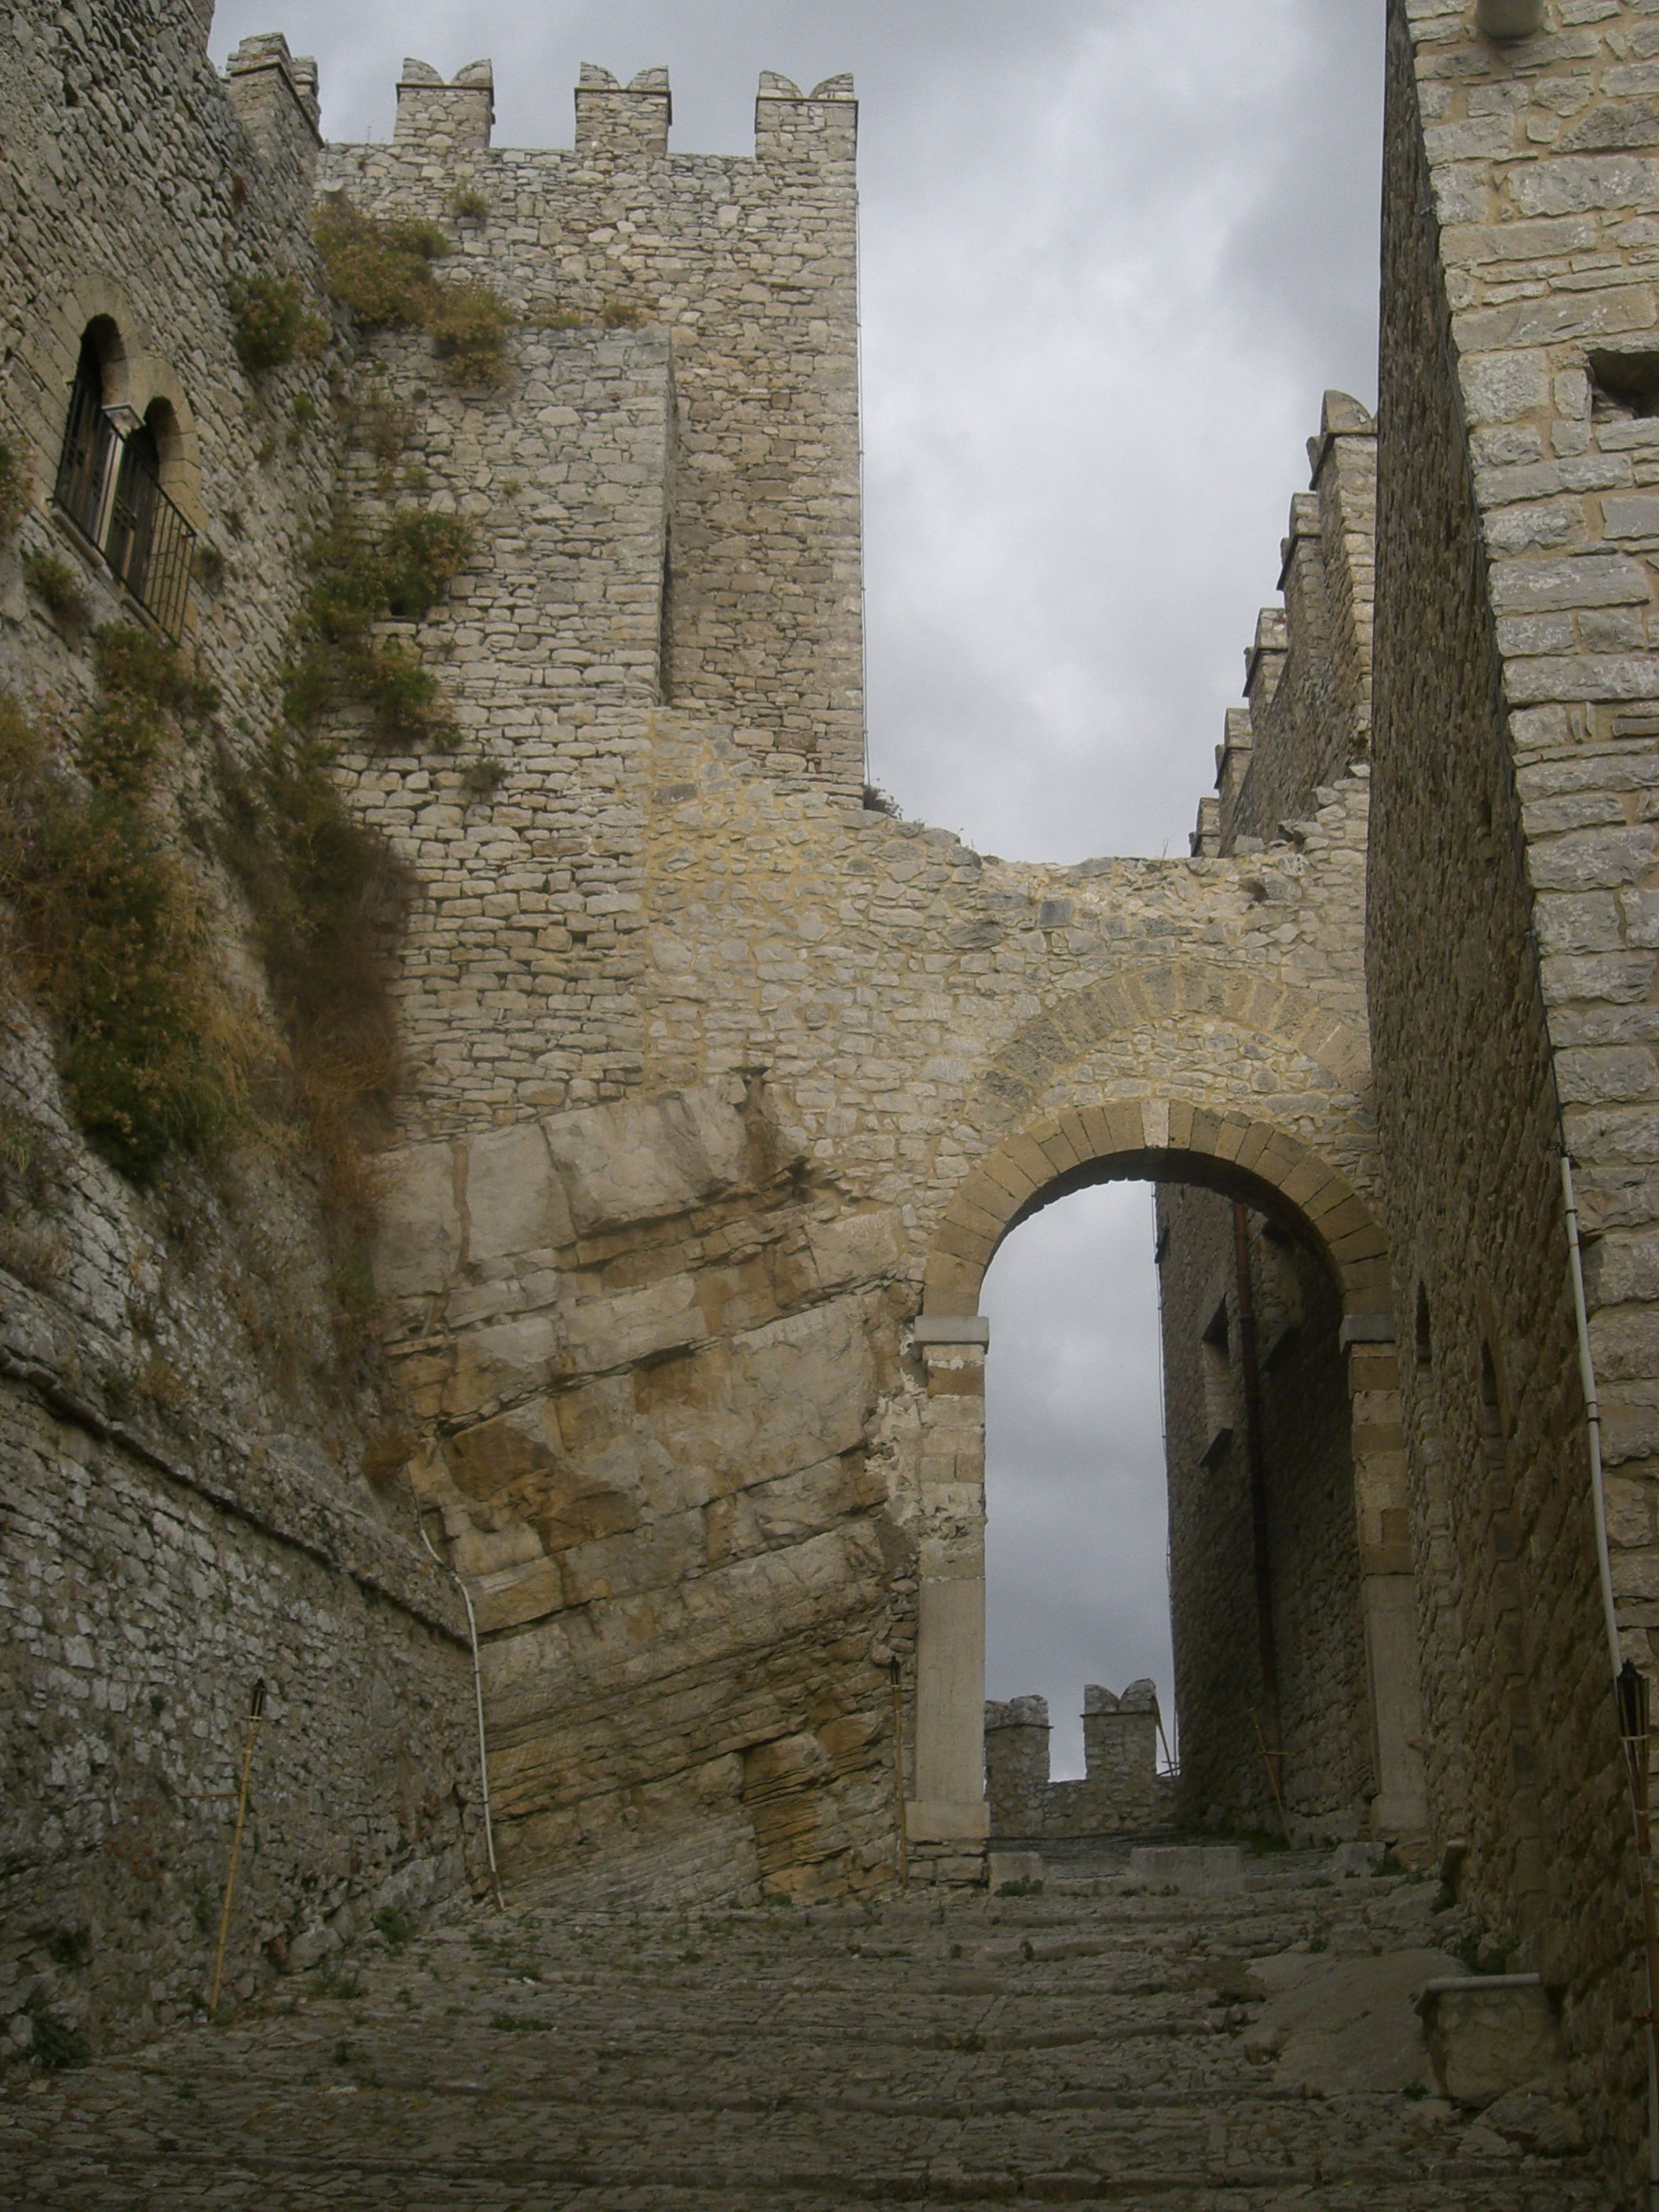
point(1308, 669)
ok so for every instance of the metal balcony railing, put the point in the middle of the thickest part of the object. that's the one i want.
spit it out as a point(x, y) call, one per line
point(109, 488)
point(148, 545)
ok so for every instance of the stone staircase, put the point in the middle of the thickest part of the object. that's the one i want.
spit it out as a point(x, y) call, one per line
point(1102, 2041)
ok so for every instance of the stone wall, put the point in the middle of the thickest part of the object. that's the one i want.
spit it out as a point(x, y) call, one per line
point(1316, 1718)
point(1505, 952)
point(1308, 670)
point(186, 1412)
point(1303, 737)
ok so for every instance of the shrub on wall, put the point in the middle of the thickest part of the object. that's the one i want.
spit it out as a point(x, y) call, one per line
point(382, 269)
point(272, 325)
point(14, 486)
point(113, 932)
point(54, 583)
point(360, 577)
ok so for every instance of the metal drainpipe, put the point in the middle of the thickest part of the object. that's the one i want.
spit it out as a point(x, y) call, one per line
point(477, 1698)
point(1610, 1617)
point(1255, 1462)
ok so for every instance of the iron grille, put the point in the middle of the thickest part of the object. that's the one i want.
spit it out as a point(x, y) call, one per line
point(150, 544)
point(83, 469)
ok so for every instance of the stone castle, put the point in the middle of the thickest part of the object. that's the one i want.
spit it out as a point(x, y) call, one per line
point(639, 1391)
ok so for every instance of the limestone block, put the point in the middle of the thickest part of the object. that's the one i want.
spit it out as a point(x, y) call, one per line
point(1005, 1870)
point(510, 1358)
point(502, 1451)
point(1347, 2026)
point(855, 1248)
point(417, 1246)
point(633, 1161)
point(601, 1333)
point(1196, 1868)
point(790, 1394)
point(514, 1202)
point(1489, 2034)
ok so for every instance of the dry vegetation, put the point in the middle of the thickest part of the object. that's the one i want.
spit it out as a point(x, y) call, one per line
point(383, 271)
point(361, 576)
point(112, 925)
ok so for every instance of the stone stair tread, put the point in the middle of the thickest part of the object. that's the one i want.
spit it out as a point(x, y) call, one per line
point(1085, 2049)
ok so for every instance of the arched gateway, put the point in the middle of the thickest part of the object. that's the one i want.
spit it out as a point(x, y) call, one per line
point(1169, 1140)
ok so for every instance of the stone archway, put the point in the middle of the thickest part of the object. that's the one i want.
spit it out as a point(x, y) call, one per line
point(1156, 1140)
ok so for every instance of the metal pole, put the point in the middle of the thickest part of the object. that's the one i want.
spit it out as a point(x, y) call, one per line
point(898, 1771)
point(255, 1714)
point(478, 1699)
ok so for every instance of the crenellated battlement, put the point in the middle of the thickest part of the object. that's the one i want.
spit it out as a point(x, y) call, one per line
point(452, 118)
point(617, 125)
point(275, 94)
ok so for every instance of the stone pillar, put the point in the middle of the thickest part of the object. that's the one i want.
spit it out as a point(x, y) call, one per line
point(445, 119)
point(949, 1817)
point(1387, 1585)
point(623, 123)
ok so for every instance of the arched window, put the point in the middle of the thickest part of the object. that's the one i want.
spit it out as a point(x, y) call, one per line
point(83, 466)
point(109, 485)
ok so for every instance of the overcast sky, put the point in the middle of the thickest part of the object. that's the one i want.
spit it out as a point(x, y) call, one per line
point(1113, 252)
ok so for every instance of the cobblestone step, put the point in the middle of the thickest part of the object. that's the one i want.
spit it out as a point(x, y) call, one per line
point(1079, 2046)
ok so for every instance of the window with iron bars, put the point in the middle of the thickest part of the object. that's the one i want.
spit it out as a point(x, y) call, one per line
point(109, 485)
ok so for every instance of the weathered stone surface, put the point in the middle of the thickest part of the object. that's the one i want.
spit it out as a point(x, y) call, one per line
point(1079, 2044)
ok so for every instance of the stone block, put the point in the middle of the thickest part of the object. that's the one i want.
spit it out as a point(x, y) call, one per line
point(1196, 1869)
point(858, 1248)
point(514, 1202)
point(635, 1160)
point(417, 1245)
point(1489, 2034)
point(1013, 1870)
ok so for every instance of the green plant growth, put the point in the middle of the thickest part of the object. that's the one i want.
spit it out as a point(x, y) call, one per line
point(115, 946)
point(58, 2046)
point(359, 578)
point(272, 325)
point(208, 565)
point(70, 1948)
point(468, 204)
point(13, 487)
point(382, 269)
point(57, 586)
